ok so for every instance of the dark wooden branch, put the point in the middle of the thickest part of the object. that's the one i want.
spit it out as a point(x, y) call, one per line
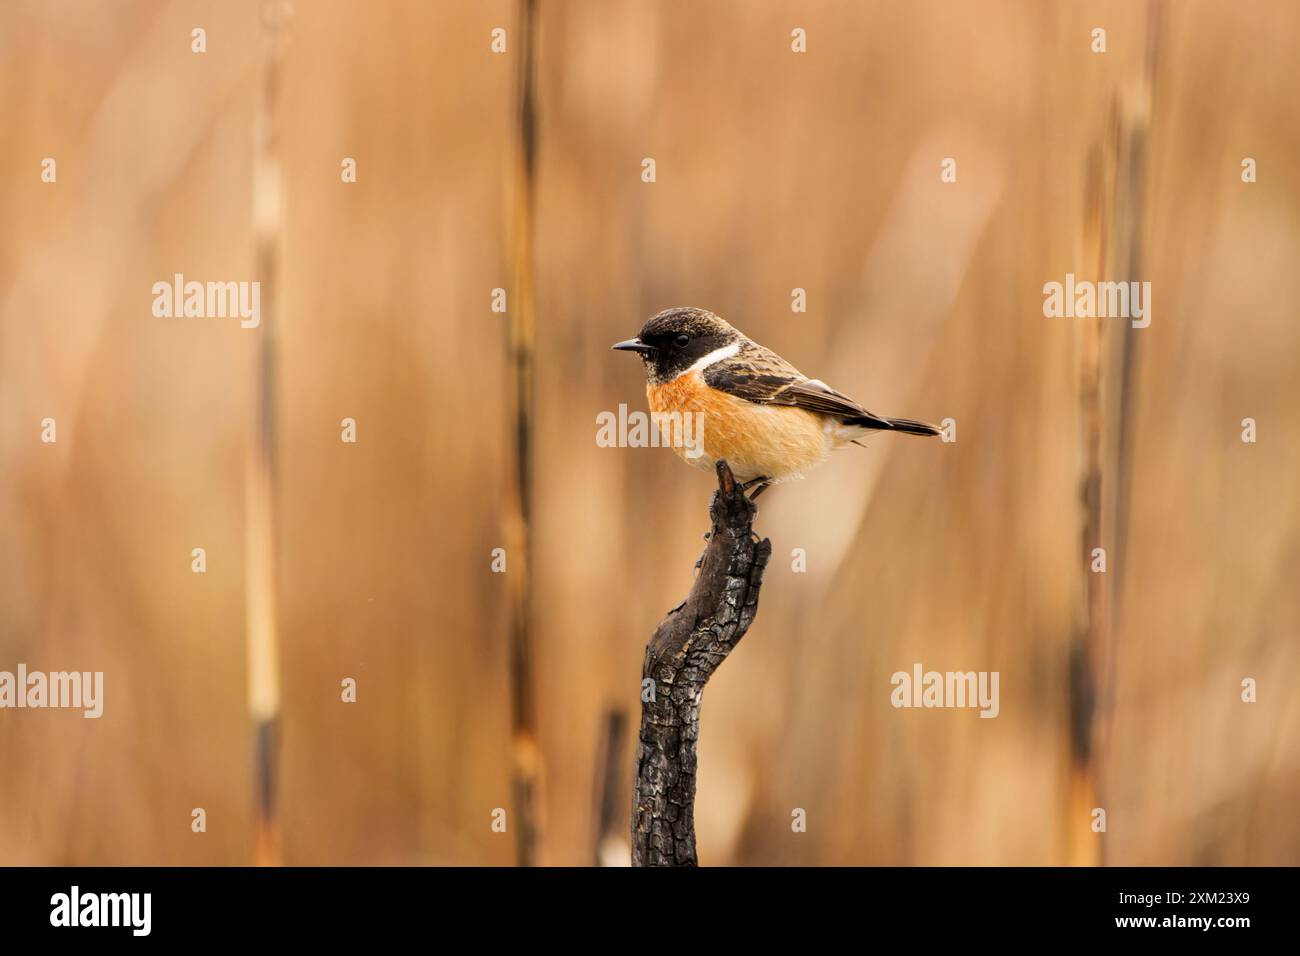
point(688, 646)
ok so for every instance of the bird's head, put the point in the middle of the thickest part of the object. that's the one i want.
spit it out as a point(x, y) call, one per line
point(675, 340)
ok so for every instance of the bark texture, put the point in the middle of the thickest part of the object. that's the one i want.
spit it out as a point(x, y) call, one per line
point(687, 647)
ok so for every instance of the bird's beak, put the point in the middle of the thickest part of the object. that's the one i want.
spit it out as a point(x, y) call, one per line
point(633, 345)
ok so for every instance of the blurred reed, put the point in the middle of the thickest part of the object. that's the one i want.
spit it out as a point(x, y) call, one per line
point(517, 514)
point(261, 568)
point(609, 845)
point(1113, 223)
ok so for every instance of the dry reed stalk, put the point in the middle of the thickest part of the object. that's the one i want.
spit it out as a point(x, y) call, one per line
point(1082, 793)
point(526, 778)
point(260, 513)
point(1108, 351)
point(609, 846)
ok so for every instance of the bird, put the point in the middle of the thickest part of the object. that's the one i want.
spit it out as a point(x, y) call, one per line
point(769, 421)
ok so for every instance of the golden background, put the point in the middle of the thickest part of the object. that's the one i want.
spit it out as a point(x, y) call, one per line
point(774, 171)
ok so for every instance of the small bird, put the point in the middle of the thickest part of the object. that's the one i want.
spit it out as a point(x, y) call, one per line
point(766, 418)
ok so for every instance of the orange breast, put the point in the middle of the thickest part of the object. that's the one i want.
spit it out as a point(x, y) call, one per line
point(779, 442)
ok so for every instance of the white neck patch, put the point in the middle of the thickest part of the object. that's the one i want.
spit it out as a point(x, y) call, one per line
point(717, 355)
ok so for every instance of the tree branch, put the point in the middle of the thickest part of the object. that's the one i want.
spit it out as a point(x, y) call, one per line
point(687, 647)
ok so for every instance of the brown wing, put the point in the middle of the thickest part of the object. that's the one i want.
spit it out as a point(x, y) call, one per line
point(763, 377)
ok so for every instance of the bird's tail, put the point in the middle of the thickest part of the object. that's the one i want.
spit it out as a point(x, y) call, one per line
point(908, 426)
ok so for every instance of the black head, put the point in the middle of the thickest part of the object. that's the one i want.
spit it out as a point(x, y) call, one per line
point(674, 340)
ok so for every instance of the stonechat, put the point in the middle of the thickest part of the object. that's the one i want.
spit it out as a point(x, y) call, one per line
point(766, 418)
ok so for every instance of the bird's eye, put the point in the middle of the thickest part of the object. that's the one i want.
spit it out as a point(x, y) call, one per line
point(682, 341)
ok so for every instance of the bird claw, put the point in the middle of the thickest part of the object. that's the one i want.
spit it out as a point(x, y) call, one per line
point(759, 485)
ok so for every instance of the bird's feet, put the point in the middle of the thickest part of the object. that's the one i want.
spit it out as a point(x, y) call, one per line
point(759, 485)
